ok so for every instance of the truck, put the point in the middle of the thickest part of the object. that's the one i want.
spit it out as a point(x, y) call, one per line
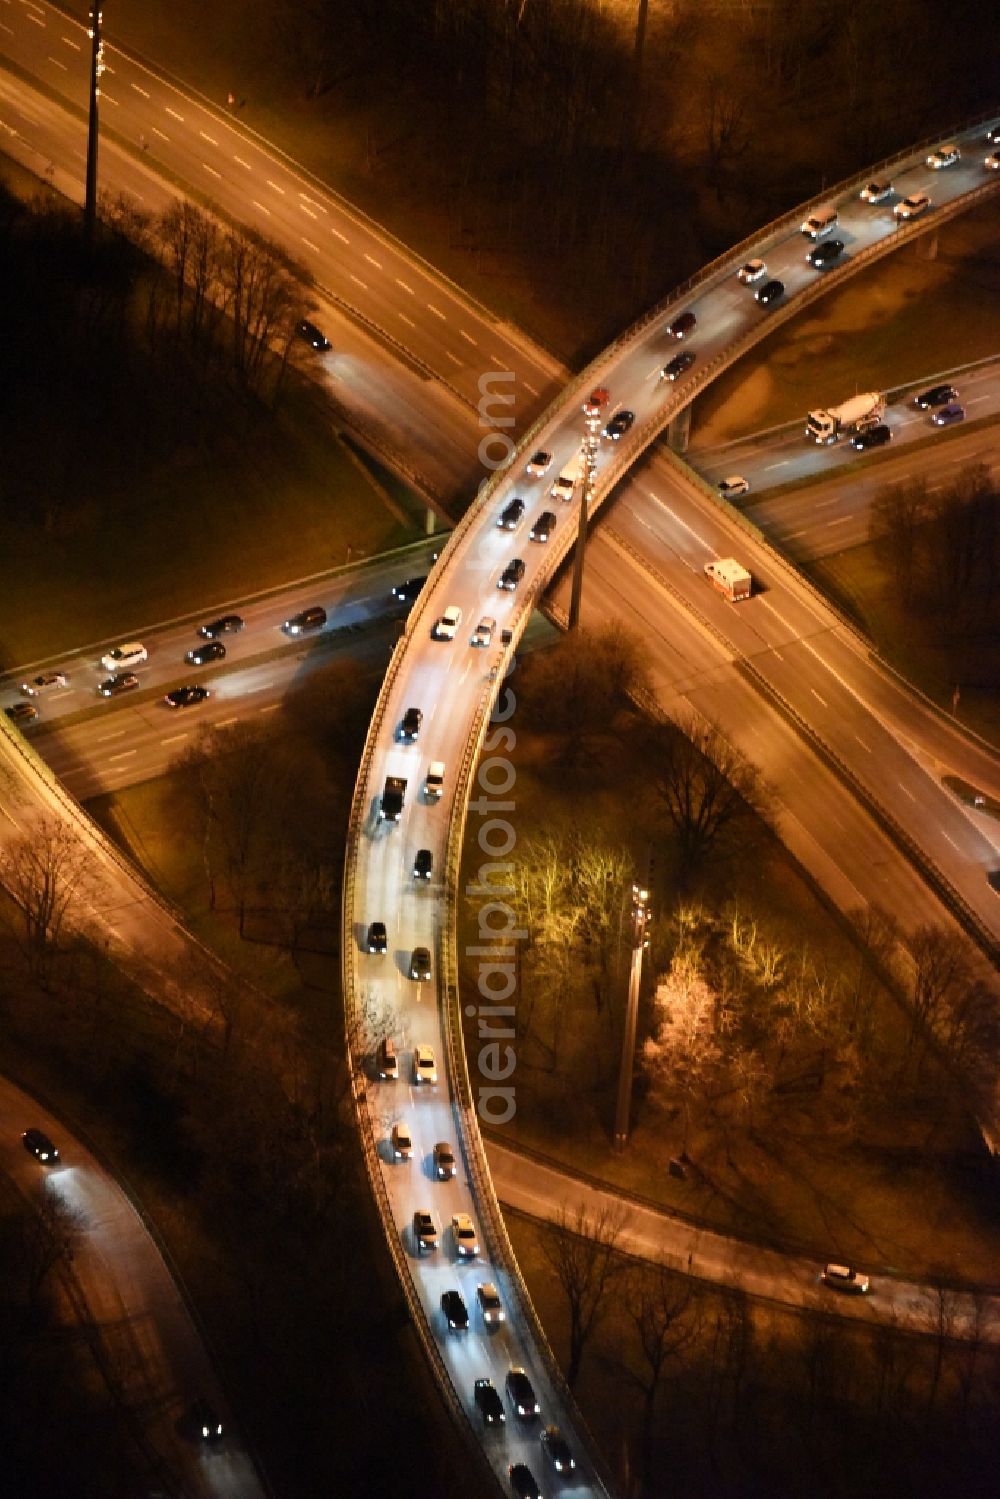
point(730, 578)
point(393, 796)
point(568, 479)
point(866, 410)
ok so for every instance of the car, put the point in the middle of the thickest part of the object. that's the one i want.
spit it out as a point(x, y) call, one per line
point(538, 464)
point(124, 657)
point(409, 727)
point(490, 1304)
point(733, 486)
point(751, 271)
point(445, 627)
point(406, 593)
point(556, 1449)
point(542, 526)
point(912, 207)
point(876, 191)
point(769, 292)
point(420, 964)
point(120, 681)
point(205, 1422)
point(872, 437)
point(40, 1146)
point(313, 618)
point(444, 1161)
point(186, 697)
point(48, 681)
point(307, 330)
point(434, 780)
point(674, 368)
point(522, 1482)
point(21, 712)
point(819, 223)
point(425, 1230)
point(596, 401)
point(401, 1141)
point(521, 1393)
point(510, 516)
point(424, 1065)
point(945, 416)
point(992, 162)
point(423, 864)
point(465, 1235)
point(483, 633)
point(455, 1311)
point(682, 325)
point(226, 624)
point(376, 941)
point(511, 575)
point(209, 650)
point(844, 1278)
point(944, 156)
point(488, 1402)
point(388, 1061)
point(937, 395)
point(993, 135)
point(620, 423)
point(822, 255)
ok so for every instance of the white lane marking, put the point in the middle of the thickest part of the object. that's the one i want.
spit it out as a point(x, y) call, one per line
point(206, 137)
point(309, 211)
point(530, 388)
point(139, 90)
point(862, 743)
point(118, 734)
point(468, 338)
point(674, 516)
point(37, 20)
point(436, 311)
point(839, 520)
point(174, 114)
point(908, 791)
point(110, 99)
point(372, 261)
point(777, 655)
point(339, 235)
point(57, 64)
point(954, 845)
point(310, 244)
point(125, 755)
point(769, 466)
point(405, 287)
point(407, 320)
point(312, 203)
point(240, 162)
point(453, 357)
point(9, 29)
point(276, 185)
point(109, 69)
point(261, 207)
point(270, 708)
point(359, 282)
point(159, 133)
point(224, 723)
point(501, 364)
point(818, 698)
point(68, 42)
point(212, 170)
point(175, 738)
point(791, 535)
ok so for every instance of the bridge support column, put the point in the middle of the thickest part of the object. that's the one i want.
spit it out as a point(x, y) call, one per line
point(927, 246)
point(679, 430)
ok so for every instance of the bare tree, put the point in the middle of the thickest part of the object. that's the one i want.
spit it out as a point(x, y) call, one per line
point(44, 870)
point(49, 1230)
point(941, 972)
point(705, 785)
point(897, 513)
point(683, 1056)
point(662, 1309)
point(580, 1249)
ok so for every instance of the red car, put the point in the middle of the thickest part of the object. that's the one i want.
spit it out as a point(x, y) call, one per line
point(596, 401)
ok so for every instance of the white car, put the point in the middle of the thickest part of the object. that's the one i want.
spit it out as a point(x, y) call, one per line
point(483, 633)
point(125, 657)
point(751, 272)
point(402, 1141)
point(944, 156)
point(465, 1235)
point(449, 622)
point(48, 681)
point(424, 1065)
point(992, 162)
point(877, 191)
point(489, 1301)
point(913, 206)
point(733, 486)
point(845, 1278)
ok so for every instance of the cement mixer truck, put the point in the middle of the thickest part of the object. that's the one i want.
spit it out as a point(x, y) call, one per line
point(855, 415)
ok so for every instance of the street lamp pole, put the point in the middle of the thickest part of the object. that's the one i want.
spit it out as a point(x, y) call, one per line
point(591, 442)
point(640, 941)
point(96, 69)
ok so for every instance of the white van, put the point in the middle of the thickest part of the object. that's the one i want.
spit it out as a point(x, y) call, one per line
point(124, 657)
point(819, 223)
point(568, 479)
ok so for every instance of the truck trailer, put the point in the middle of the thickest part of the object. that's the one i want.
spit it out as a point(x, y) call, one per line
point(862, 411)
point(729, 577)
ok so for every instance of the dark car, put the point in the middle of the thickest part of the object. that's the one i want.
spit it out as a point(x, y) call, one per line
point(825, 254)
point(770, 292)
point(209, 650)
point(946, 415)
point(543, 525)
point(423, 864)
point(488, 1402)
point(872, 437)
point(226, 624)
point(312, 335)
point(376, 941)
point(522, 1482)
point(21, 712)
point(420, 965)
point(186, 697)
point(674, 368)
point(307, 619)
point(938, 395)
point(40, 1146)
point(410, 725)
point(510, 515)
point(511, 575)
point(521, 1394)
point(205, 1421)
point(121, 681)
point(619, 424)
point(455, 1311)
point(445, 1165)
point(406, 592)
point(683, 325)
point(556, 1449)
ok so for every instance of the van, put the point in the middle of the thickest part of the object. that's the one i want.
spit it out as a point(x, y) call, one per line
point(388, 1062)
point(568, 479)
point(819, 223)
